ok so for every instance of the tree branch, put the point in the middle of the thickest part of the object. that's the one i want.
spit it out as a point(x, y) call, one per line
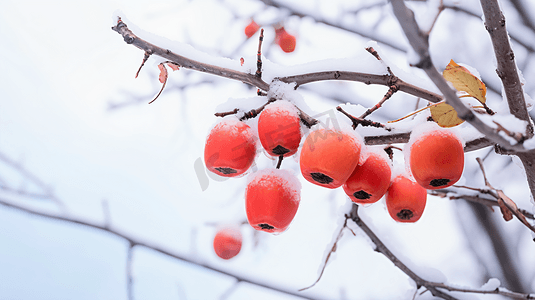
point(130, 38)
point(135, 241)
point(505, 57)
point(381, 248)
point(252, 79)
point(419, 42)
point(386, 80)
point(294, 12)
point(433, 287)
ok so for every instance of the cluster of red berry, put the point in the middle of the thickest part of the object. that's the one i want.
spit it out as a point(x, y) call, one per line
point(285, 40)
point(329, 158)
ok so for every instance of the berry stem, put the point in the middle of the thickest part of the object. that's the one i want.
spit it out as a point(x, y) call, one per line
point(279, 163)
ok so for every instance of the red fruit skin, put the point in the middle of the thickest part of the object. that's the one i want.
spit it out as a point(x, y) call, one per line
point(251, 29)
point(331, 154)
point(285, 40)
point(437, 159)
point(270, 203)
point(370, 180)
point(230, 148)
point(405, 200)
point(227, 243)
point(279, 127)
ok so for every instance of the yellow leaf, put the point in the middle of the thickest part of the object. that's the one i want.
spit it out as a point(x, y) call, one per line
point(464, 81)
point(445, 115)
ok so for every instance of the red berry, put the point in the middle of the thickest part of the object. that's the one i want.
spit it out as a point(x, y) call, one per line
point(271, 200)
point(279, 128)
point(227, 243)
point(285, 40)
point(328, 157)
point(251, 29)
point(230, 148)
point(436, 159)
point(369, 181)
point(405, 200)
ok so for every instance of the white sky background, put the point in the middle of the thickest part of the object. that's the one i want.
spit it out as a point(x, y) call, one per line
point(62, 66)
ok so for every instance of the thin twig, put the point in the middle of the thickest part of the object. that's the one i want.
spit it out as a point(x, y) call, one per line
point(331, 251)
point(27, 175)
point(129, 278)
point(381, 248)
point(389, 93)
point(223, 114)
point(374, 52)
point(259, 55)
point(145, 58)
point(356, 121)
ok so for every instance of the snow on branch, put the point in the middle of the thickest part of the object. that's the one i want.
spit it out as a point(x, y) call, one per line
point(436, 288)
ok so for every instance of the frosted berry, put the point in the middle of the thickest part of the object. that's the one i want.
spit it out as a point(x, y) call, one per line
point(230, 148)
point(369, 182)
point(328, 157)
point(279, 129)
point(227, 243)
point(436, 159)
point(405, 200)
point(251, 29)
point(271, 200)
point(285, 40)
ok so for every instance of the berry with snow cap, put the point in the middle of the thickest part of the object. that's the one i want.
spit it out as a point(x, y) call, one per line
point(369, 181)
point(271, 200)
point(436, 158)
point(230, 148)
point(279, 129)
point(405, 199)
point(328, 157)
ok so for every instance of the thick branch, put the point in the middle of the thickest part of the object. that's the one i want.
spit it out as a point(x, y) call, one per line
point(419, 43)
point(505, 57)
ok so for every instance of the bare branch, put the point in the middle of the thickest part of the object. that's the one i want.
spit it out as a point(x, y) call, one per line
point(135, 241)
point(332, 250)
point(356, 121)
point(433, 287)
point(259, 55)
point(381, 248)
point(386, 80)
point(129, 279)
point(353, 29)
point(419, 42)
point(130, 38)
point(396, 138)
point(27, 175)
point(495, 25)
